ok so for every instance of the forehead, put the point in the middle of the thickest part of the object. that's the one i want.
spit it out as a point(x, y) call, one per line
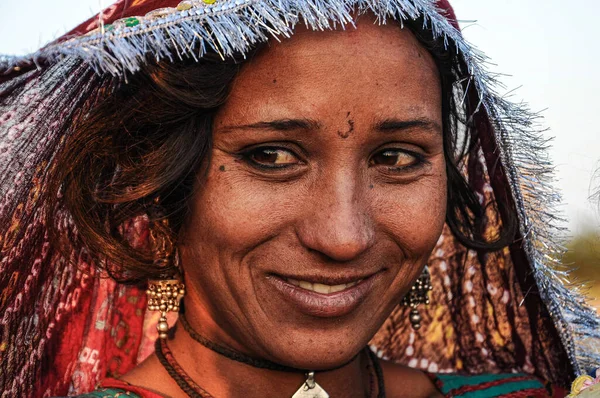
point(381, 67)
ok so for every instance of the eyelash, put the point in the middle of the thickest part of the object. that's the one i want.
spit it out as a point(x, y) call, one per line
point(247, 157)
point(419, 162)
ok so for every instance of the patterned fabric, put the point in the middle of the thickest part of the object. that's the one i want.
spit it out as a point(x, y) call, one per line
point(64, 326)
point(494, 385)
point(451, 385)
point(110, 393)
point(113, 388)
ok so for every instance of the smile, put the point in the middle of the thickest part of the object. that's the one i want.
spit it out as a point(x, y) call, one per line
point(324, 298)
point(320, 287)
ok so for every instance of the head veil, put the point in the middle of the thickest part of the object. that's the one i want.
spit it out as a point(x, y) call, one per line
point(64, 325)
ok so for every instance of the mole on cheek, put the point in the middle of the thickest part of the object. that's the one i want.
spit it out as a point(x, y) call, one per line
point(222, 168)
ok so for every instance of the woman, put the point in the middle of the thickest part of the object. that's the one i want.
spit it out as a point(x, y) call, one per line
point(283, 198)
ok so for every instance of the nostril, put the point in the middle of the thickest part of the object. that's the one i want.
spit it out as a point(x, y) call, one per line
point(337, 224)
point(338, 247)
point(329, 257)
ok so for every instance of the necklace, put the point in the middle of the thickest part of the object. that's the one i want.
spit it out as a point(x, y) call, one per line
point(239, 357)
point(309, 389)
point(165, 357)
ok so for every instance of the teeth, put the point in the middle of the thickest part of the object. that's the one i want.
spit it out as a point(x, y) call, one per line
point(320, 287)
point(305, 285)
point(339, 288)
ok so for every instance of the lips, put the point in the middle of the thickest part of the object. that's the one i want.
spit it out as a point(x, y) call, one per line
point(321, 287)
point(323, 298)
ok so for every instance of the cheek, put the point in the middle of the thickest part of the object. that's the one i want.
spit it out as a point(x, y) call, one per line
point(233, 212)
point(414, 215)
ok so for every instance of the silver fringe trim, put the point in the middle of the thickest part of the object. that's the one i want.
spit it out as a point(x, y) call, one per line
point(235, 26)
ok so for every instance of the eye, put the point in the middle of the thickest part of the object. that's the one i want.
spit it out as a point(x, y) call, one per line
point(395, 158)
point(272, 157)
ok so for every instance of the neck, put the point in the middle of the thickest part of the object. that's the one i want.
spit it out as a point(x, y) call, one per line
point(224, 377)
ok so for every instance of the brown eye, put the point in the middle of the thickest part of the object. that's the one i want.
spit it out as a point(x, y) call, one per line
point(394, 158)
point(273, 157)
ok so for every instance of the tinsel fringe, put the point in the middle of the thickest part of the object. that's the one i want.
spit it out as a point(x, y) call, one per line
point(235, 26)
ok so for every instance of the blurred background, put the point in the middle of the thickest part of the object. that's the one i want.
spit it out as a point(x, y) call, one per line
point(546, 50)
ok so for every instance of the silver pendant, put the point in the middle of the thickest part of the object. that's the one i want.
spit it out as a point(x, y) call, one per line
point(310, 388)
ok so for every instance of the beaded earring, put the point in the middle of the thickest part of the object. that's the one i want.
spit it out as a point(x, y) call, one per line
point(418, 294)
point(164, 295)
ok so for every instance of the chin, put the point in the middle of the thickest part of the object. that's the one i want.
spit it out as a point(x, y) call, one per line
point(318, 351)
point(309, 329)
point(319, 343)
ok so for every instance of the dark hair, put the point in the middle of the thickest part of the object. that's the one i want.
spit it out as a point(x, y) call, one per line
point(465, 215)
point(138, 152)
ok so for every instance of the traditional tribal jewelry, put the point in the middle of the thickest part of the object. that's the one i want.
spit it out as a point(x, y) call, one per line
point(164, 296)
point(192, 389)
point(239, 357)
point(309, 389)
point(187, 385)
point(378, 374)
point(419, 294)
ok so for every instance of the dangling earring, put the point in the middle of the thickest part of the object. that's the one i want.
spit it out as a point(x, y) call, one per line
point(164, 295)
point(419, 294)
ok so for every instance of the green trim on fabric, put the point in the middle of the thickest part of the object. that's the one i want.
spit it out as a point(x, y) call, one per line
point(109, 393)
point(503, 389)
point(453, 381)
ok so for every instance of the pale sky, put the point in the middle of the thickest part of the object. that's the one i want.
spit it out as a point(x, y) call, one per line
point(548, 49)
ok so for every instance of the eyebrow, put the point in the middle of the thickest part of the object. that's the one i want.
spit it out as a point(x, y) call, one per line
point(396, 124)
point(387, 125)
point(280, 125)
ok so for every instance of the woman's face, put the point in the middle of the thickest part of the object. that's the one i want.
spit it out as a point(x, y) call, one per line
point(325, 195)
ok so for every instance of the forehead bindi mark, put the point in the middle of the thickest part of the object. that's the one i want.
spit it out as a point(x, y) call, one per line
point(347, 133)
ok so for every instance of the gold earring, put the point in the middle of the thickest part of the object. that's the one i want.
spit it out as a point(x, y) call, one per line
point(419, 294)
point(165, 296)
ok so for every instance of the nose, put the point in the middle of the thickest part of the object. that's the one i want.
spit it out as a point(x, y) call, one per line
point(337, 220)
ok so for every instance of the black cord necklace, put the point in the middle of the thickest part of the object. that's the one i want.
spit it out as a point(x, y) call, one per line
point(239, 357)
point(193, 390)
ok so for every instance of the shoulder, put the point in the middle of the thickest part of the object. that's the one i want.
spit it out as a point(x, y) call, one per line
point(494, 385)
point(402, 381)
